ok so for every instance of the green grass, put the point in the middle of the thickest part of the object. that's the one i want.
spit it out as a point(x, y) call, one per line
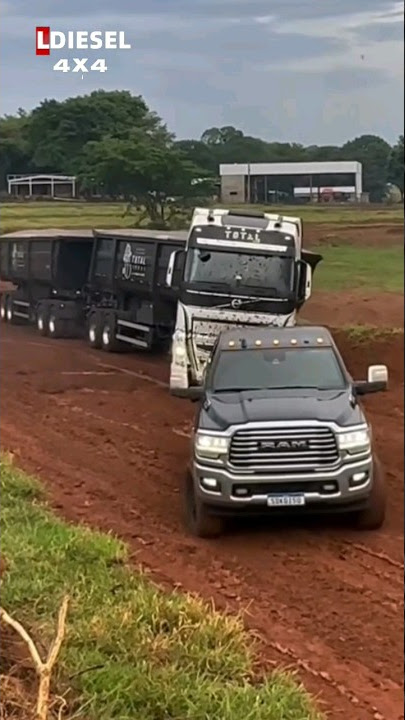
point(22, 216)
point(365, 333)
point(160, 656)
point(360, 268)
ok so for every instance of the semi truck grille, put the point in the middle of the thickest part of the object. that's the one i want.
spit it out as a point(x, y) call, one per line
point(298, 450)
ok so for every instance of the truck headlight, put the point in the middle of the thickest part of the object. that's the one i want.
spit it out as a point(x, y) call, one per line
point(179, 352)
point(210, 446)
point(355, 441)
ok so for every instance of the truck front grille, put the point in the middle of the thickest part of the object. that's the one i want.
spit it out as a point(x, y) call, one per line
point(297, 450)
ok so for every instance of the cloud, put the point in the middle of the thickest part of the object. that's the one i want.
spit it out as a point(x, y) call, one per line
point(312, 71)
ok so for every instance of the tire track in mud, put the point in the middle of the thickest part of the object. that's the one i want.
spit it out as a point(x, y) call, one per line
point(322, 600)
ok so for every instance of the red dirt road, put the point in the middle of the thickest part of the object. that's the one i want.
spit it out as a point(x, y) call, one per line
point(111, 444)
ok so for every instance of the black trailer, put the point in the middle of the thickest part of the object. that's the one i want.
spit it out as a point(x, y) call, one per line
point(49, 270)
point(129, 302)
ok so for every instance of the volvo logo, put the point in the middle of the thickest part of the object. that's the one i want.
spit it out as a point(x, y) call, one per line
point(236, 303)
point(282, 445)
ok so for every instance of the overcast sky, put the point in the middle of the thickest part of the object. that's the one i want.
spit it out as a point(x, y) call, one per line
point(309, 71)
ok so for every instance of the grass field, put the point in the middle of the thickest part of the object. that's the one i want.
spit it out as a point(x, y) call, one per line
point(131, 651)
point(360, 268)
point(111, 215)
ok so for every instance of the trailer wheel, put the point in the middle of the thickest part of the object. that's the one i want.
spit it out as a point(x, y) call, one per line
point(57, 327)
point(10, 313)
point(5, 298)
point(198, 520)
point(42, 320)
point(109, 342)
point(95, 329)
point(373, 516)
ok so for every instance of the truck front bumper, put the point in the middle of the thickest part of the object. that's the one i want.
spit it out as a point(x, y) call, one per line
point(345, 488)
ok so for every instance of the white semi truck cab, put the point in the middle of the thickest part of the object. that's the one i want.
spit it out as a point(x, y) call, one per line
point(238, 268)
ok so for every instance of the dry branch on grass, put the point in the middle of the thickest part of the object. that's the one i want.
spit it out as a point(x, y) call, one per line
point(43, 669)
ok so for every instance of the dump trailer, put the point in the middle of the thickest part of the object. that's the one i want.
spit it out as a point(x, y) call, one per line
point(129, 304)
point(49, 270)
point(238, 269)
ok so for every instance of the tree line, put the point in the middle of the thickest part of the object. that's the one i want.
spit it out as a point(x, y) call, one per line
point(115, 144)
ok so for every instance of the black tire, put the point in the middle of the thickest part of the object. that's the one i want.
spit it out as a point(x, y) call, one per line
point(95, 328)
point(109, 342)
point(42, 320)
point(373, 516)
point(3, 307)
point(56, 326)
point(199, 521)
point(10, 316)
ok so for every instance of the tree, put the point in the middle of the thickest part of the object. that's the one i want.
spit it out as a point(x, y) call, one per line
point(58, 131)
point(15, 155)
point(142, 168)
point(373, 153)
point(199, 154)
point(219, 136)
point(395, 173)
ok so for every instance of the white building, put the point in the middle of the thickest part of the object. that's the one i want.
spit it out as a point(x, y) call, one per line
point(275, 182)
point(35, 184)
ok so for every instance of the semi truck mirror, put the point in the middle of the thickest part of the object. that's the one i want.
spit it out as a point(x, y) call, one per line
point(170, 269)
point(304, 281)
point(175, 268)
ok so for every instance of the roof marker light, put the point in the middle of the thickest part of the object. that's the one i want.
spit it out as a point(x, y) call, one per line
point(258, 343)
point(319, 340)
point(231, 343)
point(294, 341)
point(276, 342)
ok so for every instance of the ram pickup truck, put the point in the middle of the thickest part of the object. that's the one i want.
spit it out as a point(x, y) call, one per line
point(280, 427)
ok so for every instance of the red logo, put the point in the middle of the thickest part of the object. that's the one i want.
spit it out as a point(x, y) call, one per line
point(42, 40)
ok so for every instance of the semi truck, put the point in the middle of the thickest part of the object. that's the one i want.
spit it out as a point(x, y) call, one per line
point(145, 290)
point(236, 269)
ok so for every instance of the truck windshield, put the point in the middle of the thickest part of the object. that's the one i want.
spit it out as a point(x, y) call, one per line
point(285, 369)
point(273, 273)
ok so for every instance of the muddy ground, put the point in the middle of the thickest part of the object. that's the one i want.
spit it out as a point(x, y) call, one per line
point(111, 444)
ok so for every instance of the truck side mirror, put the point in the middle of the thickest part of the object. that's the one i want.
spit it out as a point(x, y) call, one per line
point(313, 259)
point(304, 282)
point(377, 380)
point(175, 265)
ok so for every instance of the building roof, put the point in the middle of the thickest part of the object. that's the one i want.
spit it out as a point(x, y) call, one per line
point(288, 168)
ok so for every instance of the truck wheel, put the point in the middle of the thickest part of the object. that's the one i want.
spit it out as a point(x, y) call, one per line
point(42, 320)
point(3, 307)
point(95, 330)
point(10, 316)
point(109, 342)
point(373, 516)
point(57, 326)
point(198, 520)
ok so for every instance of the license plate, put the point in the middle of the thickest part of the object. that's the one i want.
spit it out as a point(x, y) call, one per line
point(285, 500)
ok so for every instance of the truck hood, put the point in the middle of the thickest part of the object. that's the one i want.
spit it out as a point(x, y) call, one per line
point(226, 409)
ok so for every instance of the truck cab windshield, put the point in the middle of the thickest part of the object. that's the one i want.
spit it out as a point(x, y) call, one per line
point(270, 273)
point(290, 368)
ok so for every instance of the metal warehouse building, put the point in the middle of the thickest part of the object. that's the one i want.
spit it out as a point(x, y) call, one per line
point(291, 182)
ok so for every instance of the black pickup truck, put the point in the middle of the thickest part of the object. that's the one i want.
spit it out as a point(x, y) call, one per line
point(280, 428)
